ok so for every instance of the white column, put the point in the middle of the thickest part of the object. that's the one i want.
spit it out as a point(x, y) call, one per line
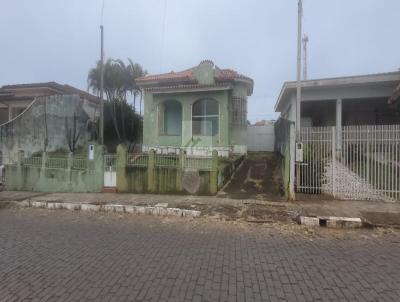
point(338, 124)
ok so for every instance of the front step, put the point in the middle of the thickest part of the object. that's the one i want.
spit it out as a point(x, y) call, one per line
point(109, 190)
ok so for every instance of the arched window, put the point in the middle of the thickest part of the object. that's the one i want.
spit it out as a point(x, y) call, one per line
point(170, 118)
point(205, 117)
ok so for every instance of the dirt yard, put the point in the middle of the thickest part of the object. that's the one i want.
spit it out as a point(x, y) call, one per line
point(258, 178)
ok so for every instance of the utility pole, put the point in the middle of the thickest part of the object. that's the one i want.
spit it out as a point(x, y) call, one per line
point(305, 41)
point(298, 90)
point(101, 86)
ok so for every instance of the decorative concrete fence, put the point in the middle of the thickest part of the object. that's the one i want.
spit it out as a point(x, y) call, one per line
point(64, 173)
point(159, 173)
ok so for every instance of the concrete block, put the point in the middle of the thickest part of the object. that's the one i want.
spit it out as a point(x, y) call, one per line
point(343, 222)
point(309, 221)
point(23, 204)
point(174, 212)
point(90, 207)
point(114, 208)
point(70, 206)
point(140, 210)
point(160, 211)
point(54, 205)
point(130, 209)
point(190, 213)
point(149, 210)
point(38, 204)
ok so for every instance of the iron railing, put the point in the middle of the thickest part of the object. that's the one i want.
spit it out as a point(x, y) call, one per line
point(137, 159)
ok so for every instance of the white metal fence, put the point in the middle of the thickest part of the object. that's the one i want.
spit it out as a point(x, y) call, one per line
point(311, 173)
point(361, 163)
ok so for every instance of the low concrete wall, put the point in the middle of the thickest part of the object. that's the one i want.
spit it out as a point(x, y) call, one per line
point(151, 178)
point(260, 138)
point(42, 178)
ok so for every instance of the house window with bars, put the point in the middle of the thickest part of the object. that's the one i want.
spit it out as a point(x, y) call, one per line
point(239, 112)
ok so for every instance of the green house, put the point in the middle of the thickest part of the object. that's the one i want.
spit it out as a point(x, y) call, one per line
point(200, 109)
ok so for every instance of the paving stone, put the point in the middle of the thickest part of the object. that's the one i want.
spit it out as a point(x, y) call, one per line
point(76, 256)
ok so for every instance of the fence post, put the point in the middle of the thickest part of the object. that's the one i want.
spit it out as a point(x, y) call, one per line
point(69, 161)
point(122, 182)
point(151, 182)
point(333, 161)
point(292, 158)
point(214, 173)
point(20, 159)
point(179, 171)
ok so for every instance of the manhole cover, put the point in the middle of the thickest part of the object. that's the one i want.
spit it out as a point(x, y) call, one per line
point(191, 181)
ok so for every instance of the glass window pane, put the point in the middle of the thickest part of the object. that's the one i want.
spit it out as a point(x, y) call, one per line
point(205, 117)
point(211, 107)
point(196, 126)
point(197, 108)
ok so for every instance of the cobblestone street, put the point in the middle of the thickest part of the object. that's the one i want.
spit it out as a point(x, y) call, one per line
point(74, 256)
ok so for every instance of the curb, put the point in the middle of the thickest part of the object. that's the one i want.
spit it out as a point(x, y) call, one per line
point(115, 208)
point(331, 221)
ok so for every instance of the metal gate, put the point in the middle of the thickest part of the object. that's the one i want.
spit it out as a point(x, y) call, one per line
point(110, 174)
point(359, 162)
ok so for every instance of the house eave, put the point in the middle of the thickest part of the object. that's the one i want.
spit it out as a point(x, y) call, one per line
point(188, 89)
point(348, 81)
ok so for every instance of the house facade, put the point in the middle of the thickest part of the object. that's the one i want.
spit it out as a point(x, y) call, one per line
point(348, 144)
point(201, 109)
point(45, 117)
point(342, 101)
point(14, 99)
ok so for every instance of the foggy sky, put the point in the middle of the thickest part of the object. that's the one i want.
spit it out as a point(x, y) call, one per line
point(58, 40)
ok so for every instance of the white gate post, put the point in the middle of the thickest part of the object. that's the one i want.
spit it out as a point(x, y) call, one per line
point(292, 152)
point(333, 161)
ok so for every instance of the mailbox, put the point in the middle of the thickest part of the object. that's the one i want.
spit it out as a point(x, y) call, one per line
point(299, 152)
point(91, 152)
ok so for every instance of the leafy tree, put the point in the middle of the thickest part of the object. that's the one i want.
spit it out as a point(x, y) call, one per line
point(121, 122)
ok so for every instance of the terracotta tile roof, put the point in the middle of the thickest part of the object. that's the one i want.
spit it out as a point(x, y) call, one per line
point(56, 87)
point(186, 87)
point(185, 75)
point(396, 95)
point(188, 77)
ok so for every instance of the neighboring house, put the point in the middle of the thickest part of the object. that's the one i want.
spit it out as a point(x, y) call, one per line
point(395, 98)
point(45, 117)
point(200, 109)
point(348, 145)
point(14, 99)
point(355, 100)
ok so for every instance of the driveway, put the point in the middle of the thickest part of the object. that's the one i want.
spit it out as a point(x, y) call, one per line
point(258, 178)
point(74, 256)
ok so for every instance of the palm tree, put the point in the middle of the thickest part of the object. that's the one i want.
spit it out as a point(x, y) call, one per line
point(119, 81)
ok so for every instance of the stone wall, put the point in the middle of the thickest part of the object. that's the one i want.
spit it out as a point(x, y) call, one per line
point(44, 125)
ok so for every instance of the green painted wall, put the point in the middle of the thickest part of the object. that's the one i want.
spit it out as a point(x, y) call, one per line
point(238, 136)
point(41, 179)
point(151, 136)
point(153, 179)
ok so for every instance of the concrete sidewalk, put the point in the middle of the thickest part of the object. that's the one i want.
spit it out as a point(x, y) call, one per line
point(375, 213)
